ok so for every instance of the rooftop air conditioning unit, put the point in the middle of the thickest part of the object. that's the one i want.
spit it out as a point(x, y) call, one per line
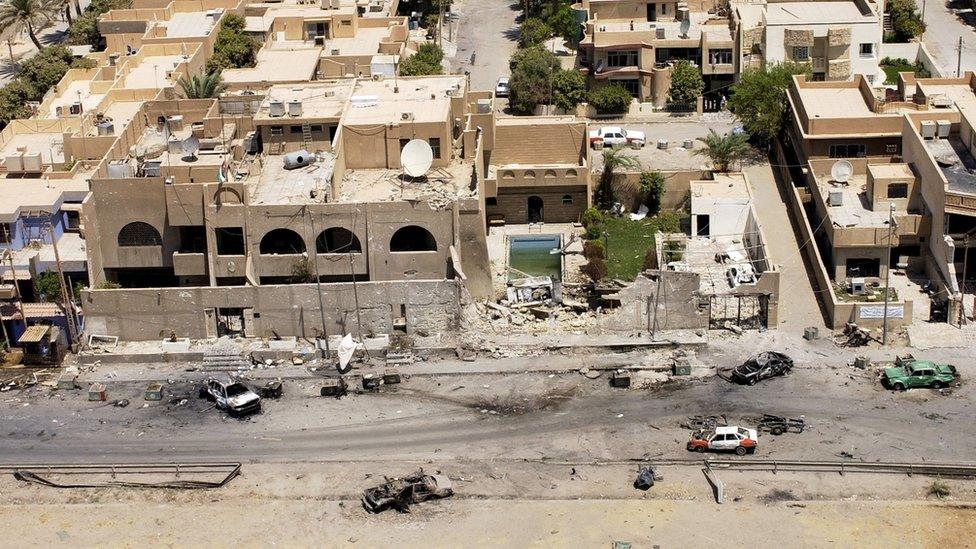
point(276, 109)
point(294, 108)
point(334, 51)
point(928, 129)
point(75, 108)
point(858, 286)
point(835, 198)
point(406, 116)
point(941, 102)
point(32, 162)
point(105, 128)
point(119, 169)
point(175, 122)
point(484, 106)
point(942, 128)
point(113, 59)
point(152, 168)
point(14, 163)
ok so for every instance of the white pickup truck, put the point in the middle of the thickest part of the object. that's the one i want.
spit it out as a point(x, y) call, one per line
point(614, 136)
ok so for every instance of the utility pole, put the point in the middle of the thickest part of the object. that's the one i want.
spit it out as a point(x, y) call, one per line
point(962, 299)
point(440, 23)
point(657, 292)
point(355, 287)
point(891, 224)
point(318, 288)
point(959, 58)
point(69, 307)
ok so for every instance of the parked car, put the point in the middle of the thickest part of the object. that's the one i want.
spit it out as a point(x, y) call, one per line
point(501, 87)
point(400, 493)
point(908, 373)
point(614, 136)
point(740, 440)
point(231, 396)
point(762, 366)
point(739, 274)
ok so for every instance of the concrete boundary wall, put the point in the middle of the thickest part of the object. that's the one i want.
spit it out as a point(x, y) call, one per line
point(139, 314)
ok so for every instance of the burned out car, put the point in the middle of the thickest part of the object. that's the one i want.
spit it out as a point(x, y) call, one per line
point(762, 366)
point(401, 493)
point(231, 396)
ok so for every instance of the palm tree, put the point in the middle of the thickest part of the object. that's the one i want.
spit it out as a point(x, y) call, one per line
point(723, 150)
point(202, 86)
point(31, 15)
point(613, 160)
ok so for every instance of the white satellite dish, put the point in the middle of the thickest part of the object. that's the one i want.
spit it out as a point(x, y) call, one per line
point(841, 171)
point(685, 27)
point(190, 146)
point(416, 158)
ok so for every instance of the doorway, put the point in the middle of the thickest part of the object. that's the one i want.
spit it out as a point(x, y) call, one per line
point(535, 209)
point(702, 223)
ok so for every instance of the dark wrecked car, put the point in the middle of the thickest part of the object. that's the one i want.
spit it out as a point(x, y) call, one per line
point(762, 366)
point(232, 396)
point(401, 493)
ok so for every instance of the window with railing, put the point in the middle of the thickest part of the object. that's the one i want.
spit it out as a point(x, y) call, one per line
point(622, 58)
point(801, 53)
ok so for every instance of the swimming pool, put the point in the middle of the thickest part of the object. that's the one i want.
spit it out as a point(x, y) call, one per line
point(529, 254)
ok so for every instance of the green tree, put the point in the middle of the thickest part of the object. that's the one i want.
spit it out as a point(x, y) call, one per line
point(560, 18)
point(233, 48)
point(202, 86)
point(531, 83)
point(723, 150)
point(612, 99)
point(46, 68)
point(759, 98)
point(29, 15)
point(686, 83)
point(651, 190)
point(613, 161)
point(533, 32)
point(568, 89)
point(48, 286)
point(426, 61)
point(906, 22)
point(13, 101)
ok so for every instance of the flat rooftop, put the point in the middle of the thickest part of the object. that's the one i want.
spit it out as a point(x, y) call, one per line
point(71, 251)
point(440, 187)
point(320, 99)
point(962, 95)
point(79, 90)
point(121, 113)
point(19, 195)
point(151, 71)
point(724, 186)
point(50, 145)
point(188, 24)
point(855, 211)
point(823, 102)
point(273, 184)
point(956, 162)
point(699, 255)
point(815, 13)
point(427, 99)
point(366, 42)
point(277, 65)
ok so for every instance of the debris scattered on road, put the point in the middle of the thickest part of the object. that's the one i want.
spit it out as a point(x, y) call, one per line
point(401, 493)
point(122, 403)
point(777, 425)
point(272, 389)
point(646, 478)
point(334, 387)
point(853, 336)
point(620, 379)
point(762, 366)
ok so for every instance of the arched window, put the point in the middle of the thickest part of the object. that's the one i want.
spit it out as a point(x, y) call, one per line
point(529, 174)
point(337, 240)
point(139, 234)
point(508, 174)
point(550, 174)
point(567, 200)
point(282, 241)
point(571, 173)
point(413, 239)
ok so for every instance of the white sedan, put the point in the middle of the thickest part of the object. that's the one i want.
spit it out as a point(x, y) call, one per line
point(501, 88)
point(614, 136)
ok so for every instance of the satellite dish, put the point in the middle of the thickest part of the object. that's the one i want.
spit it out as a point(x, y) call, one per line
point(190, 146)
point(841, 171)
point(416, 158)
point(685, 27)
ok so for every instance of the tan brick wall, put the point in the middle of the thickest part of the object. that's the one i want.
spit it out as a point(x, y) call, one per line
point(512, 204)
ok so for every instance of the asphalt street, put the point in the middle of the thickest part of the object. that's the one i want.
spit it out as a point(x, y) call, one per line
point(513, 416)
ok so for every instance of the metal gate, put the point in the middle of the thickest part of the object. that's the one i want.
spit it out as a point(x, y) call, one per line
point(711, 103)
point(747, 311)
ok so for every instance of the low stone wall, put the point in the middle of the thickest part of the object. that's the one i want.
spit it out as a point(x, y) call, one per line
point(429, 307)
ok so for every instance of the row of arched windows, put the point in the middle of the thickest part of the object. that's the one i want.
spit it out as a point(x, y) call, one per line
point(335, 240)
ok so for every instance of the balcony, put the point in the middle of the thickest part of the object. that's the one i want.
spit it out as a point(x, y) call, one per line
point(140, 256)
point(189, 264)
point(230, 265)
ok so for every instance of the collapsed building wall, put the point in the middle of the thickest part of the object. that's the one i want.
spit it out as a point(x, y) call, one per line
point(677, 306)
point(422, 306)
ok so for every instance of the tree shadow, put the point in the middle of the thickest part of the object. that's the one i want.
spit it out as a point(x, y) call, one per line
point(53, 38)
point(512, 34)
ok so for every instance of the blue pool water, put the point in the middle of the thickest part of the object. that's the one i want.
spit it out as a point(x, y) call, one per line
point(530, 255)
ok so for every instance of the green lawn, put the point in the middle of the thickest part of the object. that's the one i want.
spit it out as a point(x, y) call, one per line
point(629, 241)
point(892, 67)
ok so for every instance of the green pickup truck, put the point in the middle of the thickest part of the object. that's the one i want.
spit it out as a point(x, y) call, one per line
point(908, 372)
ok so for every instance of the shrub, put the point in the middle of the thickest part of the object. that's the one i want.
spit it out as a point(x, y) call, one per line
point(233, 47)
point(531, 80)
point(651, 190)
point(906, 22)
point(426, 61)
point(596, 269)
point(673, 251)
point(612, 99)
point(759, 97)
point(686, 83)
point(48, 286)
point(592, 216)
point(593, 248)
point(568, 89)
point(533, 31)
point(593, 232)
point(939, 489)
point(650, 259)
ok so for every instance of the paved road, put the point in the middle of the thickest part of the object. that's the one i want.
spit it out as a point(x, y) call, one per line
point(487, 34)
point(946, 24)
point(493, 417)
